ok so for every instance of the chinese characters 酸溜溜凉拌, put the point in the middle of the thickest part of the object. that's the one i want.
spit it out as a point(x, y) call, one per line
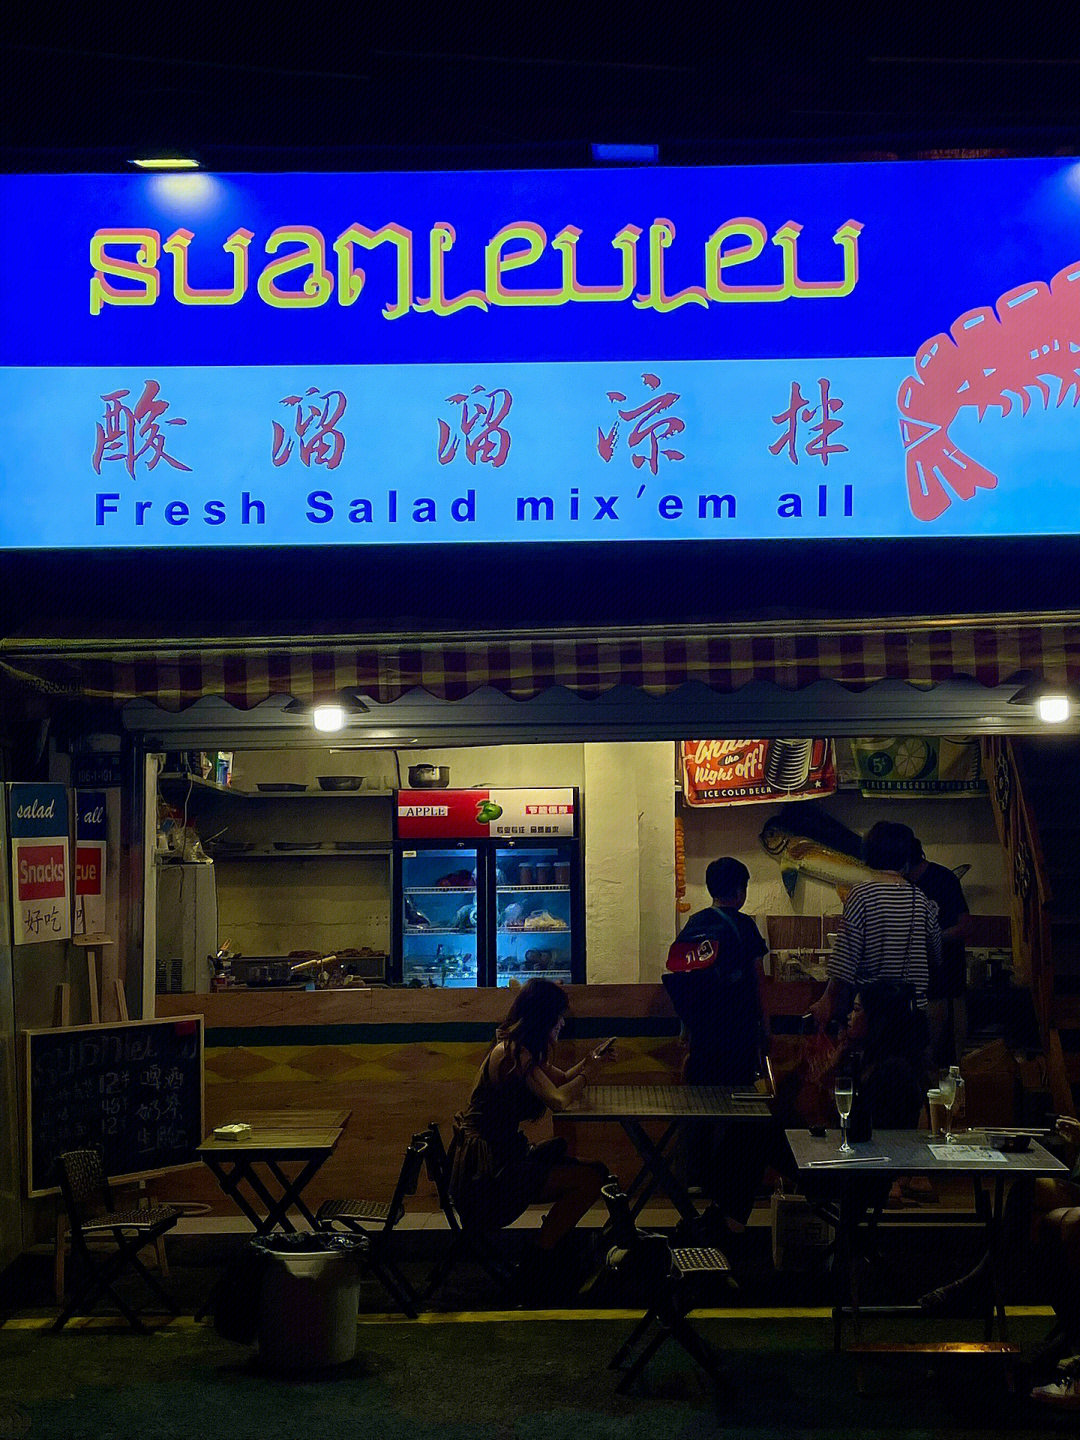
point(128, 432)
point(821, 446)
point(480, 427)
point(314, 427)
point(650, 426)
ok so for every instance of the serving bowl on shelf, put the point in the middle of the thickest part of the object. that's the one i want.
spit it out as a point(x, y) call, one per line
point(340, 782)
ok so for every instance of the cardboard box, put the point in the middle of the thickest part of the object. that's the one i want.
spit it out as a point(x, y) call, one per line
point(991, 1085)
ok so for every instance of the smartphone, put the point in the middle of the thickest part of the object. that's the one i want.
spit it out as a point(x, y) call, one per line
point(605, 1045)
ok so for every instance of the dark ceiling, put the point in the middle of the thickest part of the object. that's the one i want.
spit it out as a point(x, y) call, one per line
point(360, 87)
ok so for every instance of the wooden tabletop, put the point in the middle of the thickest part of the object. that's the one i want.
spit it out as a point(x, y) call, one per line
point(908, 1152)
point(295, 1119)
point(666, 1102)
point(284, 1132)
point(268, 1140)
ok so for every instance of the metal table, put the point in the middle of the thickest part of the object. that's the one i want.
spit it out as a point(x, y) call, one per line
point(632, 1105)
point(908, 1152)
point(278, 1138)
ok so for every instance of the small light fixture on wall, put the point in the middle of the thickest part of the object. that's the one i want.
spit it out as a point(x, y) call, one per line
point(1054, 702)
point(166, 162)
point(329, 714)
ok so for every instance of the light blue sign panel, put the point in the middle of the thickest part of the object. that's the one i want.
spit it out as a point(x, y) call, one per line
point(624, 355)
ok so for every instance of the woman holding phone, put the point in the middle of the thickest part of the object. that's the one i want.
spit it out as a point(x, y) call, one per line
point(497, 1174)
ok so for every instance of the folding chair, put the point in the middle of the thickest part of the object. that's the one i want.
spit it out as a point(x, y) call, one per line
point(466, 1241)
point(92, 1215)
point(376, 1220)
point(663, 1275)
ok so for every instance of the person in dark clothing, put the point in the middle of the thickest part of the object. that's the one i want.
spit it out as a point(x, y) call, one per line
point(719, 999)
point(497, 1174)
point(883, 1056)
point(728, 1033)
point(946, 1003)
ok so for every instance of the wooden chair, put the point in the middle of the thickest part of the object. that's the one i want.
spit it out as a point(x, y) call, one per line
point(92, 1215)
point(376, 1220)
point(465, 1240)
point(664, 1276)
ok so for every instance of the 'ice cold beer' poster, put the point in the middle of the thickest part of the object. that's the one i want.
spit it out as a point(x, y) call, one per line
point(871, 350)
point(40, 863)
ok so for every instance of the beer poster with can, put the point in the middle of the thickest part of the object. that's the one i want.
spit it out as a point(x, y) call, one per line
point(91, 833)
point(741, 772)
point(904, 766)
point(40, 868)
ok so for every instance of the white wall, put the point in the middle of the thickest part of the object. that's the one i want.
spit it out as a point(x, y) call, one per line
point(629, 860)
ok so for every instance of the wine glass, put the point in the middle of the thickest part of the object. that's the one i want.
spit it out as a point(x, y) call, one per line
point(843, 1093)
point(947, 1089)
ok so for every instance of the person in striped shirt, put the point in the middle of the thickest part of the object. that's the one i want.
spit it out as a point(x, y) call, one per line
point(890, 928)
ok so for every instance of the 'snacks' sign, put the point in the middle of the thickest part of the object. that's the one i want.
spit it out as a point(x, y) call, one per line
point(40, 863)
point(743, 353)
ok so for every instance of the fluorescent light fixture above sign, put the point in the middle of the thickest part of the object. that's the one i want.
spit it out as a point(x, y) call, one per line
point(167, 162)
point(625, 154)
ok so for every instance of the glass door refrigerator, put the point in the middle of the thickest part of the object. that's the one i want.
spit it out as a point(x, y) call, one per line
point(488, 887)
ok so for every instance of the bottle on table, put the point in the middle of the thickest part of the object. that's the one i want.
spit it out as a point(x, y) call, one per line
point(959, 1108)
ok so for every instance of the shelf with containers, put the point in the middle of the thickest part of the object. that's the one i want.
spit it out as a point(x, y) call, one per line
point(329, 885)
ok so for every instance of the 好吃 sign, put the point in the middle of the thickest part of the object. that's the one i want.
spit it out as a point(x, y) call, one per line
point(40, 863)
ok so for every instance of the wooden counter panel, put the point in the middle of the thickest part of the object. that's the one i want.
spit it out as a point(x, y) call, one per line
point(242, 1008)
point(395, 1083)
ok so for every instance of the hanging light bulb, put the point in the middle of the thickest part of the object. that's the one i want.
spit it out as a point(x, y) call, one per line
point(1053, 709)
point(328, 718)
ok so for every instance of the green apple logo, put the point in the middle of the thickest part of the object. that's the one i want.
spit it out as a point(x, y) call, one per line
point(487, 811)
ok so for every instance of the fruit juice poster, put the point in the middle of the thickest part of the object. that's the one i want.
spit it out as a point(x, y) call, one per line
point(918, 765)
point(741, 772)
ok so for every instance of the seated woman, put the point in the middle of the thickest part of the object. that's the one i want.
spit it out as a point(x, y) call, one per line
point(497, 1174)
point(881, 1052)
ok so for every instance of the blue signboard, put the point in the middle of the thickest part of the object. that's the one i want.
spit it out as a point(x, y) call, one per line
point(763, 352)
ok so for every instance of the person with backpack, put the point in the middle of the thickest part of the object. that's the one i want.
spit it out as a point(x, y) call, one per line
point(715, 981)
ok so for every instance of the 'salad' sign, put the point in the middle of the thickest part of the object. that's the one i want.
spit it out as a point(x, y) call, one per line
point(815, 351)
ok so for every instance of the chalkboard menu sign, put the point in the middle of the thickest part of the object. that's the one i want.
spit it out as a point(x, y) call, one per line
point(132, 1089)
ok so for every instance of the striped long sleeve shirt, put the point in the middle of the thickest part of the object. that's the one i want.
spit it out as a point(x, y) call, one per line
point(890, 932)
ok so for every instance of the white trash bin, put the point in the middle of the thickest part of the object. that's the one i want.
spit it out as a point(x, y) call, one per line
point(309, 1300)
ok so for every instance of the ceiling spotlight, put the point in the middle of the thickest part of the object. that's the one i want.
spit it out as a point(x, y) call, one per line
point(328, 713)
point(328, 717)
point(1053, 702)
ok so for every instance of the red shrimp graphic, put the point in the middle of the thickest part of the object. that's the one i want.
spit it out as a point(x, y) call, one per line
point(987, 360)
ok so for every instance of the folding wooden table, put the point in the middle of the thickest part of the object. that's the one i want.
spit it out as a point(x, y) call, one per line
point(633, 1105)
point(255, 1164)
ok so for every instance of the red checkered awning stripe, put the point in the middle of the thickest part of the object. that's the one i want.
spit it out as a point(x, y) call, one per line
point(522, 667)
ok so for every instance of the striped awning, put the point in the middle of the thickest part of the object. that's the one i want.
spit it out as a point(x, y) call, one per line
point(174, 675)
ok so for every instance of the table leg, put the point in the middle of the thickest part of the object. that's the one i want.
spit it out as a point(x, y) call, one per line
point(994, 1230)
point(230, 1174)
point(643, 1176)
point(659, 1170)
point(292, 1192)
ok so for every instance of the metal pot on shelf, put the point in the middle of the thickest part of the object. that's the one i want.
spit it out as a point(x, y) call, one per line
point(429, 777)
